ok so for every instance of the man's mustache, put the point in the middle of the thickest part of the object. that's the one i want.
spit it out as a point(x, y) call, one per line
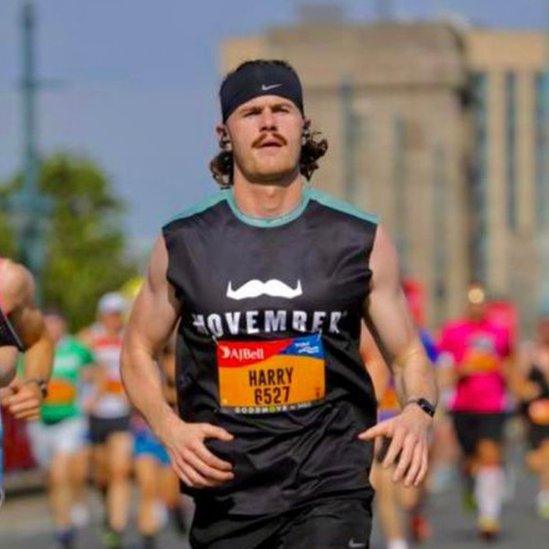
point(269, 136)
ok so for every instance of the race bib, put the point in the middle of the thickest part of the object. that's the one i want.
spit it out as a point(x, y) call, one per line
point(482, 362)
point(389, 401)
point(114, 387)
point(263, 377)
point(60, 392)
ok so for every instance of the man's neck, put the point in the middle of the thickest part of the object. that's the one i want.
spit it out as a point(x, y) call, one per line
point(267, 200)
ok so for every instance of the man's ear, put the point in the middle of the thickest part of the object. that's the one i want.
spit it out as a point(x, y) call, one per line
point(306, 132)
point(223, 137)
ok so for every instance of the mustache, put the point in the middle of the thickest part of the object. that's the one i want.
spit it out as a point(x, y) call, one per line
point(256, 288)
point(269, 136)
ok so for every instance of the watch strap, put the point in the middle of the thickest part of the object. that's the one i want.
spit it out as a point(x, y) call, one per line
point(424, 404)
point(42, 385)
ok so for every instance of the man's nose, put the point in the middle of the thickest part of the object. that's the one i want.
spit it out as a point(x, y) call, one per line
point(268, 121)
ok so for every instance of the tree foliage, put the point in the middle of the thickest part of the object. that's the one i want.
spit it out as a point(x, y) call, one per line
point(85, 244)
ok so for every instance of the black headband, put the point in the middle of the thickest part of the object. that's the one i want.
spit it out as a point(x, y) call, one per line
point(254, 80)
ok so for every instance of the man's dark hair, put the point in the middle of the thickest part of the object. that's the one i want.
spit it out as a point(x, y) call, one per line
point(314, 146)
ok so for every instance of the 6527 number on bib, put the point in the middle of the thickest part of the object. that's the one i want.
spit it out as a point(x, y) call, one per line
point(262, 377)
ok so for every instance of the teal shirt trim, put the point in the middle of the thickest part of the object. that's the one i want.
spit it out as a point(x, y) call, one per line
point(342, 206)
point(268, 222)
point(199, 207)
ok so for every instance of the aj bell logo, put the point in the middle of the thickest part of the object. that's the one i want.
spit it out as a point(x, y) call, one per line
point(241, 354)
point(256, 288)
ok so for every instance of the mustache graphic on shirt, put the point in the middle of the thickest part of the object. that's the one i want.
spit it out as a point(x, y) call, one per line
point(256, 288)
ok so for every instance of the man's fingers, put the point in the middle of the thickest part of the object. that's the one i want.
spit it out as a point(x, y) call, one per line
point(184, 478)
point(212, 460)
point(29, 416)
point(424, 467)
point(198, 481)
point(24, 406)
point(381, 429)
point(176, 466)
point(415, 465)
point(212, 431)
point(405, 457)
point(394, 449)
point(209, 473)
point(20, 397)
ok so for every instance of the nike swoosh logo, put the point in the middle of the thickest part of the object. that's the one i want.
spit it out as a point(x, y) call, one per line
point(270, 87)
point(352, 543)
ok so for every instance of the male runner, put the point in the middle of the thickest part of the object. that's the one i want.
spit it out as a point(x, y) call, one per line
point(395, 503)
point(21, 329)
point(479, 350)
point(269, 281)
point(58, 438)
point(531, 386)
point(109, 420)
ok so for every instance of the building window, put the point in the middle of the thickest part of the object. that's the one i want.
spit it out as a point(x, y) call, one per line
point(542, 142)
point(478, 176)
point(510, 149)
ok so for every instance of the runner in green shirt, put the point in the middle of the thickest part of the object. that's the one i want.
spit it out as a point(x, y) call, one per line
point(62, 401)
point(58, 439)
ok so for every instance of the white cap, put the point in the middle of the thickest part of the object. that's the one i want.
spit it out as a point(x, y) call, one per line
point(112, 302)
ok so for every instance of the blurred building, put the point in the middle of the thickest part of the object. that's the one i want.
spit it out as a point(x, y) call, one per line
point(436, 127)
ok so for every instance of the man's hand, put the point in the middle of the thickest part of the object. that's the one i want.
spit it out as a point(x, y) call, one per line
point(22, 398)
point(194, 464)
point(409, 448)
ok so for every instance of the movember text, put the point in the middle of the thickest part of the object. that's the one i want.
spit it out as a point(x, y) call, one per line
point(268, 321)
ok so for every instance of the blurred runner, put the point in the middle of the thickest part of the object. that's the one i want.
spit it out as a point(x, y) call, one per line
point(158, 484)
point(180, 506)
point(58, 438)
point(479, 350)
point(21, 329)
point(150, 461)
point(269, 282)
point(532, 389)
point(109, 420)
point(401, 509)
point(388, 494)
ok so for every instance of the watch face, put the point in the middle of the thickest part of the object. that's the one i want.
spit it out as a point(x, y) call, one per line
point(427, 406)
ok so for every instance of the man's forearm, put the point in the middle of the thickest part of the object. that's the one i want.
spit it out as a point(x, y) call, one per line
point(414, 375)
point(38, 360)
point(7, 374)
point(141, 377)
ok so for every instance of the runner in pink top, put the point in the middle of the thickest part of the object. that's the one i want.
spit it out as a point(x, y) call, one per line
point(478, 351)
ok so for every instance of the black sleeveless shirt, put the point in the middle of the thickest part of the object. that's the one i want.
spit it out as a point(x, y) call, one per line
point(268, 347)
point(8, 336)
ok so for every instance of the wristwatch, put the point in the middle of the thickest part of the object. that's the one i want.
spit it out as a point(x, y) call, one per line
point(424, 404)
point(42, 385)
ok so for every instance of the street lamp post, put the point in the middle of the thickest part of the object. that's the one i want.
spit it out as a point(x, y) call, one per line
point(28, 206)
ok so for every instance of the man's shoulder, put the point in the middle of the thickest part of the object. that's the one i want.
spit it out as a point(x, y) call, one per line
point(198, 208)
point(16, 283)
point(342, 207)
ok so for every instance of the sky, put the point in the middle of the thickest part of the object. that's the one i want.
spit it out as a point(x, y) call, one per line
point(132, 84)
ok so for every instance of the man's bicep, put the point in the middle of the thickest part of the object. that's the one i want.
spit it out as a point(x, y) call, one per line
point(387, 313)
point(156, 308)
